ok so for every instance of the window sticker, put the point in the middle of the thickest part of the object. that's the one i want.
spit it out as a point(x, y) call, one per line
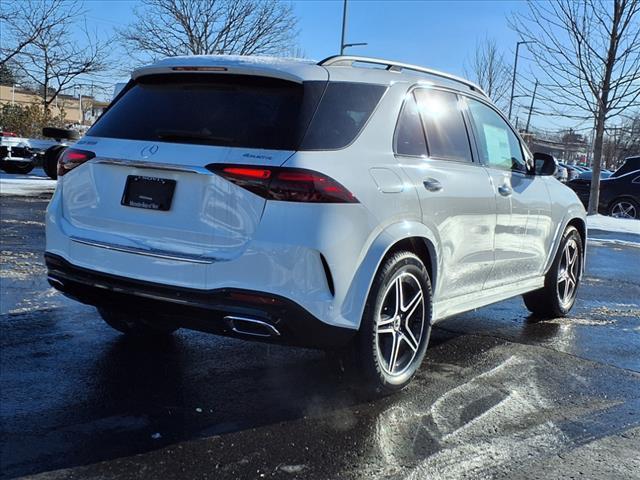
point(498, 149)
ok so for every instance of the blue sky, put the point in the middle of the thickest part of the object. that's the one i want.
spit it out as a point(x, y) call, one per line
point(438, 34)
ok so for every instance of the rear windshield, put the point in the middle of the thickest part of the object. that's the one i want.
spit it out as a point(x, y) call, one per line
point(240, 111)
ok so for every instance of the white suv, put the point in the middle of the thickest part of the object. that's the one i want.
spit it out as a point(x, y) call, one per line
point(352, 202)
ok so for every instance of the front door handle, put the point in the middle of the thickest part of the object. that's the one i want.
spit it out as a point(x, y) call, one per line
point(432, 185)
point(505, 190)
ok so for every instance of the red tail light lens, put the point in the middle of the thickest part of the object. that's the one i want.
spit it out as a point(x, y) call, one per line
point(71, 158)
point(285, 184)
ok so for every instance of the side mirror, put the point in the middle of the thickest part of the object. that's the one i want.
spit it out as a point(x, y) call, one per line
point(544, 163)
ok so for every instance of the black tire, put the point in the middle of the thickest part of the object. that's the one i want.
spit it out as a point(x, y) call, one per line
point(372, 342)
point(60, 133)
point(625, 204)
point(551, 301)
point(135, 325)
point(15, 167)
point(50, 160)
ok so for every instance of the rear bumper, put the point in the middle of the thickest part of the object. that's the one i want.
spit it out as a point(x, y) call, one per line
point(218, 311)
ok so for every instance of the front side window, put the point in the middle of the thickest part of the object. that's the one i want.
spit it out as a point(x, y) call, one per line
point(409, 132)
point(498, 146)
point(444, 125)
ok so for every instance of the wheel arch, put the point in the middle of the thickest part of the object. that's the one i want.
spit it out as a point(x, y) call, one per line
point(581, 226)
point(576, 218)
point(422, 247)
point(407, 235)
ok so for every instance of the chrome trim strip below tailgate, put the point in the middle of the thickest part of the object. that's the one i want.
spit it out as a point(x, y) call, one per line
point(152, 165)
point(181, 257)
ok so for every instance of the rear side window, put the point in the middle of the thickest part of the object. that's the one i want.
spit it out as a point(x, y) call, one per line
point(343, 111)
point(444, 125)
point(225, 110)
point(409, 132)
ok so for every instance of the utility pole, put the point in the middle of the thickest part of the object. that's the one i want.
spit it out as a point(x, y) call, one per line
point(533, 99)
point(344, 31)
point(79, 87)
point(344, 26)
point(513, 80)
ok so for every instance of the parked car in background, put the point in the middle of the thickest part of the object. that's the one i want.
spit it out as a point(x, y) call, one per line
point(328, 205)
point(630, 164)
point(16, 155)
point(562, 173)
point(49, 156)
point(572, 171)
point(619, 193)
point(22, 155)
point(589, 174)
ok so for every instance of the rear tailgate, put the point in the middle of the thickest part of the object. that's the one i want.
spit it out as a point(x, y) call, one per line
point(208, 217)
point(159, 137)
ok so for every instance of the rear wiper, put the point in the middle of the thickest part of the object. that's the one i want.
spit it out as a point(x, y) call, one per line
point(188, 135)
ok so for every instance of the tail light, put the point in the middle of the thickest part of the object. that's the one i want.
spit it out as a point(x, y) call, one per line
point(285, 184)
point(71, 158)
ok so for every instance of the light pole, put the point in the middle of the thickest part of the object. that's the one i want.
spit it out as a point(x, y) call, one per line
point(78, 87)
point(513, 80)
point(533, 99)
point(344, 31)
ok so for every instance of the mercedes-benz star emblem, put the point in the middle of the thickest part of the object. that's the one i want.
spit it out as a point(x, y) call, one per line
point(148, 151)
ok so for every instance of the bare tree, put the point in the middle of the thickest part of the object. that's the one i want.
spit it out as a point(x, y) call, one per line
point(621, 141)
point(56, 59)
point(589, 52)
point(489, 70)
point(196, 27)
point(25, 21)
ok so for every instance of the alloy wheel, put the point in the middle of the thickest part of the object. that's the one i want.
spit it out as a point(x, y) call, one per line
point(624, 209)
point(400, 324)
point(568, 272)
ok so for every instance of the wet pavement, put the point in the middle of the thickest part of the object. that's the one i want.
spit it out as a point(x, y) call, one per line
point(499, 396)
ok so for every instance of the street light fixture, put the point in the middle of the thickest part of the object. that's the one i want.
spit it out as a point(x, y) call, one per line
point(513, 80)
point(344, 30)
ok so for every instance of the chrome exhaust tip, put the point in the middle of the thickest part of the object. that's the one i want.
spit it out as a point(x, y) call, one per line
point(251, 326)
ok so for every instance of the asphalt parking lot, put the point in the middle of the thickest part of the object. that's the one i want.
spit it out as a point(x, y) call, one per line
point(499, 396)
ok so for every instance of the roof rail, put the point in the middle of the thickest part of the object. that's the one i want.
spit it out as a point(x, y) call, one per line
point(349, 60)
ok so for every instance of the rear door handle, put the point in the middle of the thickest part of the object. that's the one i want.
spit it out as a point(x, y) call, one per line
point(505, 190)
point(432, 185)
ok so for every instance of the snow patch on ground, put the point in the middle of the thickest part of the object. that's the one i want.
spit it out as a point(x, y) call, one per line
point(611, 224)
point(614, 242)
point(34, 183)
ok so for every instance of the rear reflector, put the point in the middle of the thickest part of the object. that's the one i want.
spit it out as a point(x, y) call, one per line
point(285, 184)
point(254, 298)
point(71, 158)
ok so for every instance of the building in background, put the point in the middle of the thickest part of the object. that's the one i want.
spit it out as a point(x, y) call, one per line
point(567, 146)
point(82, 110)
